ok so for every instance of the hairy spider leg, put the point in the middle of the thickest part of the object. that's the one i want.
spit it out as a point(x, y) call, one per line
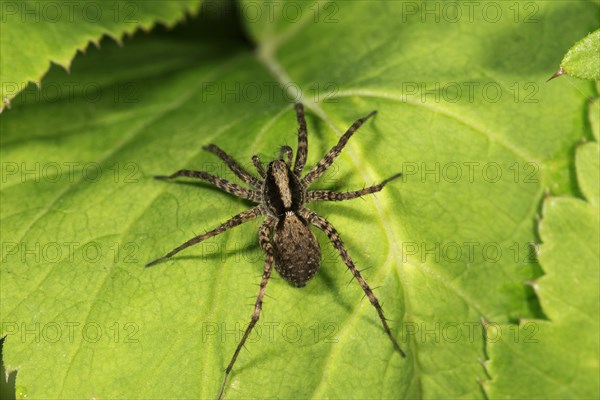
point(264, 239)
point(233, 165)
point(288, 152)
point(335, 239)
point(236, 220)
point(335, 151)
point(259, 167)
point(221, 183)
point(330, 195)
point(302, 151)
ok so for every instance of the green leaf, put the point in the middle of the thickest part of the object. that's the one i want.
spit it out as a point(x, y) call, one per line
point(594, 115)
point(586, 160)
point(448, 244)
point(583, 59)
point(35, 33)
point(562, 352)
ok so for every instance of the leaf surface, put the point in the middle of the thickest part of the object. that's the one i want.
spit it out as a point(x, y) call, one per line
point(448, 245)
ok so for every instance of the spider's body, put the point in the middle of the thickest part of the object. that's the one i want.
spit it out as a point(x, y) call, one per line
point(285, 236)
point(296, 250)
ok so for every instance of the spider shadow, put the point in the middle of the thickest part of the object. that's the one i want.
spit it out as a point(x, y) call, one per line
point(318, 141)
point(369, 317)
point(330, 180)
point(265, 359)
point(325, 276)
point(350, 212)
point(330, 272)
point(208, 187)
point(225, 252)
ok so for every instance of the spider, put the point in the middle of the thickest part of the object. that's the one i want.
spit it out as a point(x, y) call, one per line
point(281, 195)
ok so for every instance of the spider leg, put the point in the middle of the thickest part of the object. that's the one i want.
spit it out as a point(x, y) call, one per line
point(335, 151)
point(233, 222)
point(288, 152)
point(221, 183)
point(302, 150)
point(259, 167)
point(334, 237)
point(236, 168)
point(330, 195)
point(264, 238)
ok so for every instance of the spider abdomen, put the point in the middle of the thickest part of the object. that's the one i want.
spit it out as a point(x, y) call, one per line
point(297, 252)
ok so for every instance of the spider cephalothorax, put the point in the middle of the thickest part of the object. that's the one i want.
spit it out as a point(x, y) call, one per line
point(285, 236)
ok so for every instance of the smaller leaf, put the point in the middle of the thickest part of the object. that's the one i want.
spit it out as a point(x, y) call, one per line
point(562, 352)
point(583, 59)
point(587, 161)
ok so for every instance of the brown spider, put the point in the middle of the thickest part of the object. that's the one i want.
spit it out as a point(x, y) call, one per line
point(285, 236)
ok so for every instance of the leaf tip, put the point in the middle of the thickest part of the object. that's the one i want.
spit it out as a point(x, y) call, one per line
point(558, 73)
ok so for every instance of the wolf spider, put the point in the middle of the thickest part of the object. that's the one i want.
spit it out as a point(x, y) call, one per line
point(281, 195)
